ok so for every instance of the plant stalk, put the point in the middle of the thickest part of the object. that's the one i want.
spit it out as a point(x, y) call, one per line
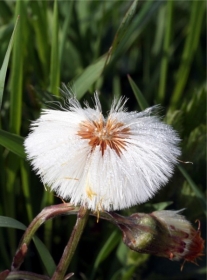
point(46, 214)
point(70, 248)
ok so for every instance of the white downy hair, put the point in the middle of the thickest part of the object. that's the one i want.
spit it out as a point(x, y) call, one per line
point(102, 163)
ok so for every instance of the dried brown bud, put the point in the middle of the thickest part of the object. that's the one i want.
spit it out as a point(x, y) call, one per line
point(162, 233)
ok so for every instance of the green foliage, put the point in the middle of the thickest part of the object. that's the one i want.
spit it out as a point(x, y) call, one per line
point(12, 142)
point(105, 251)
point(45, 256)
point(11, 223)
point(5, 66)
point(139, 96)
point(42, 250)
point(93, 45)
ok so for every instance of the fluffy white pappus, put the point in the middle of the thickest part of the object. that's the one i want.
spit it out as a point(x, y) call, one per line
point(102, 163)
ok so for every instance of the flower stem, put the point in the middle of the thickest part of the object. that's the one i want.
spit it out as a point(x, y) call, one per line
point(46, 214)
point(70, 248)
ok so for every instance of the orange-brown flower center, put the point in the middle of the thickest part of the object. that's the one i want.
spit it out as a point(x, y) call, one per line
point(100, 133)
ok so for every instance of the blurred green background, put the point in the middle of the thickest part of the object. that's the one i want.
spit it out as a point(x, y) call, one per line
point(162, 46)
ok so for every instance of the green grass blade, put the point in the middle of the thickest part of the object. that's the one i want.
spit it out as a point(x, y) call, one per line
point(12, 142)
point(195, 189)
point(10, 205)
point(137, 25)
point(139, 96)
point(5, 64)
point(160, 31)
point(166, 51)
point(191, 44)
point(26, 188)
point(88, 77)
point(17, 72)
point(124, 26)
point(66, 26)
point(83, 82)
point(54, 89)
point(122, 30)
point(116, 87)
point(40, 26)
point(45, 256)
point(109, 245)
point(55, 61)
point(11, 223)
point(5, 10)
point(41, 248)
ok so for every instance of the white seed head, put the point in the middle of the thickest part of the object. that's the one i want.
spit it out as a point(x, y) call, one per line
point(102, 163)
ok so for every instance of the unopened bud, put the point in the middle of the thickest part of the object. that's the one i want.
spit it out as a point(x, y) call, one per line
point(162, 233)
